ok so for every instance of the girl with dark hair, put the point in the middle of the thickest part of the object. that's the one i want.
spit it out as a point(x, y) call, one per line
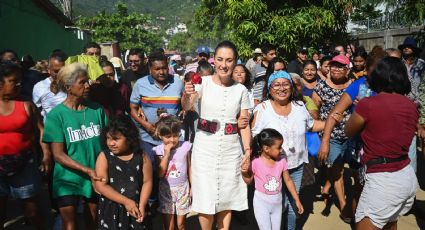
point(173, 159)
point(390, 183)
point(309, 77)
point(359, 64)
point(217, 185)
point(127, 177)
point(242, 75)
point(286, 112)
point(267, 170)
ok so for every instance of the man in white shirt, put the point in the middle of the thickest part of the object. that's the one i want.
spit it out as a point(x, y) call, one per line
point(45, 94)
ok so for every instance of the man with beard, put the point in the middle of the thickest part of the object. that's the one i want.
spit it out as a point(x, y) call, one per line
point(136, 67)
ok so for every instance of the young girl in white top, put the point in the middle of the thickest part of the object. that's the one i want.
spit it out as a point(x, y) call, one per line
point(267, 169)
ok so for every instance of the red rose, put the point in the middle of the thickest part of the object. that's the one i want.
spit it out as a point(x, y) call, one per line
point(204, 123)
point(235, 128)
point(228, 129)
point(213, 127)
point(196, 79)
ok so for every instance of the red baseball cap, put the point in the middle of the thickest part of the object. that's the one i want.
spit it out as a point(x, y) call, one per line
point(341, 59)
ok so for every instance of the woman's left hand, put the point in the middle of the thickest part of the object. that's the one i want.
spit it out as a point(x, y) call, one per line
point(46, 164)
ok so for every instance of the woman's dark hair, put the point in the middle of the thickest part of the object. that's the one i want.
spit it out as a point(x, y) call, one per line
point(204, 66)
point(267, 48)
point(137, 51)
point(295, 95)
point(247, 82)
point(270, 67)
point(324, 59)
point(90, 45)
point(125, 126)
point(167, 126)
point(374, 57)
point(390, 76)
point(266, 137)
point(310, 62)
point(9, 69)
point(360, 52)
point(107, 63)
point(227, 44)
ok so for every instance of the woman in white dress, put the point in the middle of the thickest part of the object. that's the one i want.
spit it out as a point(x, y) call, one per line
point(217, 185)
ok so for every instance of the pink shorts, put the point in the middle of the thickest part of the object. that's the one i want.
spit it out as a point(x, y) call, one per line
point(175, 199)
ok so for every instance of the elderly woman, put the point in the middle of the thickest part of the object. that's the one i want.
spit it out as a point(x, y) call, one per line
point(390, 183)
point(20, 123)
point(285, 111)
point(72, 129)
point(217, 184)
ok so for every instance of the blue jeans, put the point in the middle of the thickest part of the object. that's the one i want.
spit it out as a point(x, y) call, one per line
point(296, 176)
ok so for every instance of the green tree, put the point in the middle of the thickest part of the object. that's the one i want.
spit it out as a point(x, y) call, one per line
point(365, 11)
point(127, 28)
point(286, 24)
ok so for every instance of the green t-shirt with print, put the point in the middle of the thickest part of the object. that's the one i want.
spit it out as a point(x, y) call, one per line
point(80, 131)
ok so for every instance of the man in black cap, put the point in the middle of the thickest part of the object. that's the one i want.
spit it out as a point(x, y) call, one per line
point(296, 65)
point(415, 66)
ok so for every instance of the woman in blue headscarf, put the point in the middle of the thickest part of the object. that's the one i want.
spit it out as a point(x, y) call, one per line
point(285, 111)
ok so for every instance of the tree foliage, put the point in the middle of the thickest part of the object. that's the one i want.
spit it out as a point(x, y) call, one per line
point(365, 11)
point(128, 28)
point(286, 24)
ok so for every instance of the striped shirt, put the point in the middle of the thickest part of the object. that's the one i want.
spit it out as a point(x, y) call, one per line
point(150, 97)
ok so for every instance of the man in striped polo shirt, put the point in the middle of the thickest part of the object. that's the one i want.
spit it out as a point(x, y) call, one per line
point(159, 90)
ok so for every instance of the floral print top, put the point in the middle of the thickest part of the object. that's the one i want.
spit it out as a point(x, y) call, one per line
point(330, 98)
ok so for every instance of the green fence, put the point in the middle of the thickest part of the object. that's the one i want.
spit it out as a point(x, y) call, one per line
point(28, 29)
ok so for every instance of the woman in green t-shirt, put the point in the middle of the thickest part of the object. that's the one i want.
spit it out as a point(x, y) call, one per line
point(73, 130)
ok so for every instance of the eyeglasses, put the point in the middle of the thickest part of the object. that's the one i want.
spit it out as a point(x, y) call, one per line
point(339, 68)
point(278, 86)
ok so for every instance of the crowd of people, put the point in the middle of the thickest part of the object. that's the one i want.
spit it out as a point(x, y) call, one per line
point(122, 141)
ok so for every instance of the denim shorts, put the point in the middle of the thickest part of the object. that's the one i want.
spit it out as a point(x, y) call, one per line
point(337, 151)
point(24, 184)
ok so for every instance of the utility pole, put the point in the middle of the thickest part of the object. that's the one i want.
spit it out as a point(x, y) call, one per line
point(66, 7)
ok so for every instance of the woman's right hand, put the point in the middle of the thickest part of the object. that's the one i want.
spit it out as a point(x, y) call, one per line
point(323, 153)
point(189, 88)
point(132, 208)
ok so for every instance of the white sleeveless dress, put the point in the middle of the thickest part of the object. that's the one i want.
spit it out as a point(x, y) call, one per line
point(217, 184)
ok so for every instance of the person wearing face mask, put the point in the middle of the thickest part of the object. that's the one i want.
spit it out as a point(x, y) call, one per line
point(326, 95)
point(284, 110)
point(217, 184)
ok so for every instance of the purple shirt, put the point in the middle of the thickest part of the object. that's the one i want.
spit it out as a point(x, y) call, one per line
point(268, 178)
point(177, 164)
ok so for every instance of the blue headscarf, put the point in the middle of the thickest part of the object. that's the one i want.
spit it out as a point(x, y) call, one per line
point(279, 74)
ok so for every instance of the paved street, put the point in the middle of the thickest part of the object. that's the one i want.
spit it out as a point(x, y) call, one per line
point(311, 220)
